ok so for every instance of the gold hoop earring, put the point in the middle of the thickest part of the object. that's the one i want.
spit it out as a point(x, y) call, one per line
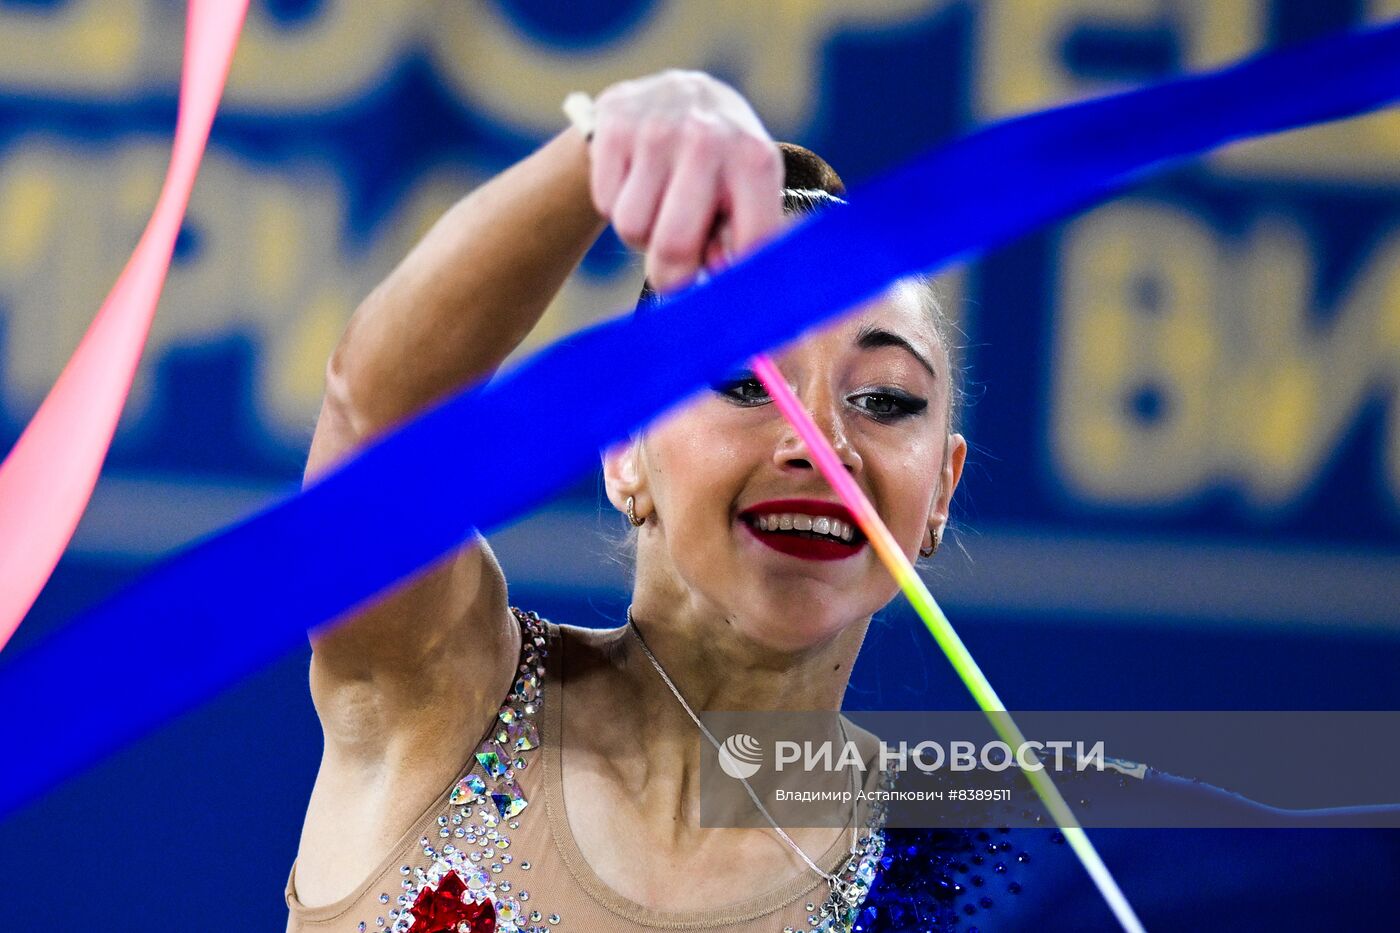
point(632, 516)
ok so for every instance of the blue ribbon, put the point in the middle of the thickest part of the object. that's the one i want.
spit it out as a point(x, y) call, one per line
point(228, 606)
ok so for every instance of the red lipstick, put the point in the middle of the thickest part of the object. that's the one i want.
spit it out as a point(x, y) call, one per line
point(804, 545)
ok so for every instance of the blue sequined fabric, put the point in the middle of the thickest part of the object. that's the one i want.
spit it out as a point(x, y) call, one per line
point(944, 879)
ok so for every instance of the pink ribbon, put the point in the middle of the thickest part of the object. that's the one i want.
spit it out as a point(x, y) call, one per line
point(48, 477)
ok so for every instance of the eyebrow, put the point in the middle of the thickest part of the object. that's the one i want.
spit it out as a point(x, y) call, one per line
point(872, 338)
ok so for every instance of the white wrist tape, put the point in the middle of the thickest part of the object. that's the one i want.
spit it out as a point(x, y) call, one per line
point(582, 113)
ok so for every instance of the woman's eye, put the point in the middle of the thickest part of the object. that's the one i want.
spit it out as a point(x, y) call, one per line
point(889, 405)
point(746, 390)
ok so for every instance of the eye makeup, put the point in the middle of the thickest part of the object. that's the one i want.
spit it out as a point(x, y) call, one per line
point(888, 404)
point(742, 388)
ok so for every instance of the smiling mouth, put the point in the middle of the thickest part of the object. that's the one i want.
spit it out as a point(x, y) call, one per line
point(805, 533)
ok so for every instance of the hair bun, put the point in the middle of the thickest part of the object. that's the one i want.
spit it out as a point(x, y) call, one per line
point(803, 168)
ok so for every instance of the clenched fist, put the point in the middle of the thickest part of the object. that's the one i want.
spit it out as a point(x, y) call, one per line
point(685, 171)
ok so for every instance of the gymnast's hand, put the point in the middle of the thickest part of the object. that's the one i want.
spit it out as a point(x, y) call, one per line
point(685, 171)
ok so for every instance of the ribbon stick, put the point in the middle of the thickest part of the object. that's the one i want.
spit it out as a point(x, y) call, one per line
point(968, 670)
point(231, 604)
point(48, 477)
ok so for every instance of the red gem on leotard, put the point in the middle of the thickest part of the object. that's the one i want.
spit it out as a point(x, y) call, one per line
point(443, 911)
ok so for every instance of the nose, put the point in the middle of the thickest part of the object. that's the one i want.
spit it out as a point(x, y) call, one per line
point(792, 452)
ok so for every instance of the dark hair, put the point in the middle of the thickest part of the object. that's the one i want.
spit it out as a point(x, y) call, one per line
point(811, 186)
point(806, 172)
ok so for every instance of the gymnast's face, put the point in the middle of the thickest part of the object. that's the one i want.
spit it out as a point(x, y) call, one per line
point(738, 519)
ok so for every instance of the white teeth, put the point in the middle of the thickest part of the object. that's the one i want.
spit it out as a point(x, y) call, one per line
point(817, 524)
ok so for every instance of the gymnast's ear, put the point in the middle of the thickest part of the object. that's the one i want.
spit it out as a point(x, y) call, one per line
point(953, 458)
point(624, 475)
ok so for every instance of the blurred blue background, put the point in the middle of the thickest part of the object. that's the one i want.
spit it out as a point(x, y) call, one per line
point(1184, 490)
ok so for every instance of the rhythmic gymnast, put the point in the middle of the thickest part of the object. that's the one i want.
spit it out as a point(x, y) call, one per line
point(753, 586)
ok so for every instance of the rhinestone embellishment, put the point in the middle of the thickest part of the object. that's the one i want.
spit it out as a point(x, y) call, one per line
point(839, 911)
point(460, 886)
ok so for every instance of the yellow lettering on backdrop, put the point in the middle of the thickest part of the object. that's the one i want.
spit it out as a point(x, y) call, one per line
point(111, 49)
point(336, 56)
point(60, 266)
point(1290, 389)
point(1135, 354)
point(1181, 359)
point(1020, 65)
point(266, 254)
point(1300, 384)
point(1362, 150)
point(342, 50)
point(85, 48)
point(772, 49)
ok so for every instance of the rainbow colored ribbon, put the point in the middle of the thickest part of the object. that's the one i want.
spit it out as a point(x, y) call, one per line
point(968, 670)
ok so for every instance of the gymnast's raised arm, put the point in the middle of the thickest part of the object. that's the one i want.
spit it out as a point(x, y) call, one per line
point(685, 171)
